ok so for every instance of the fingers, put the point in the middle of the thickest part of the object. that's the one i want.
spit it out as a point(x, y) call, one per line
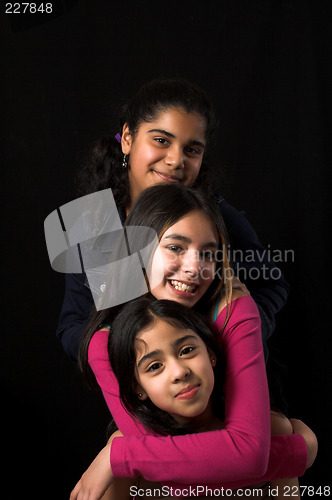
point(80, 493)
point(310, 438)
point(75, 492)
point(238, 285)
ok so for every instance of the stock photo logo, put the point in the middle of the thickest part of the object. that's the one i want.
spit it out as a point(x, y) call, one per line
point(86, 235)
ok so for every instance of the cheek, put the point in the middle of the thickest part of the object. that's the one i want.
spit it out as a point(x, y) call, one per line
point(208, 273)
point(171, 264)
point(155, 390)
point(155, 270)
point(193, 170)
point(141, 157)
point(161, 267)
point(208, 374)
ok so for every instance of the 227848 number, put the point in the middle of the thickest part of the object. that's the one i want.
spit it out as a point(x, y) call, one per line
point(29, 8)
point(310, 491)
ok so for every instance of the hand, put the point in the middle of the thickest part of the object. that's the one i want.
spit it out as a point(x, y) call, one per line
point(238, 285)
point(96, 479)
point(300, 427)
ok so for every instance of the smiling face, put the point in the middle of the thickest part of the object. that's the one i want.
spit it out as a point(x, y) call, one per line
point(184, 264)
point(174, 369)
point(168, 149)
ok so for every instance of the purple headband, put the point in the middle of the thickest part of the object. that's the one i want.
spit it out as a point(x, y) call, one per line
point(118, 138)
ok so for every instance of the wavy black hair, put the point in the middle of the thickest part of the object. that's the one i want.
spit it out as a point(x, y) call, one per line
point(137, 316)
point(103, 169)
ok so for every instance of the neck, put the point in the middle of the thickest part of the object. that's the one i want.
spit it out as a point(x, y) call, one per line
point(204, 422)
point(204, 426)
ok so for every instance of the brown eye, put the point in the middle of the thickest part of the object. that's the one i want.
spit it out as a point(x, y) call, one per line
point(161, 140)
point(193, 151)
point(208, 255)
point(187, 350)
point(154, 367)
point(175, 248)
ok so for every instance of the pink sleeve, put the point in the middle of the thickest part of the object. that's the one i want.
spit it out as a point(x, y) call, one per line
point(240, 450)
point(101, 367)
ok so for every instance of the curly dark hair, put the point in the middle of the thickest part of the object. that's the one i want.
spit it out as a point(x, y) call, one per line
point(103, 169)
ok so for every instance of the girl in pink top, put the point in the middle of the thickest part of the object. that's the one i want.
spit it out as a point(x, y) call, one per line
point(171, 377)
point(192, 269)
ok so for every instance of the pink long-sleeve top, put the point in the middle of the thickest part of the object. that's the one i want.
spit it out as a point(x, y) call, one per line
point(241, 453)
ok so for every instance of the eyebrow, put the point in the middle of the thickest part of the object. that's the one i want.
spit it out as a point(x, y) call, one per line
point(180, 237)
point(193, 142)
point(147, 356)
point(154, 353)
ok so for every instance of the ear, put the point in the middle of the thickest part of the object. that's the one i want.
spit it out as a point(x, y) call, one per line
point(213, 358)
point(126, 139)
point(142, 396)
point(140, 393)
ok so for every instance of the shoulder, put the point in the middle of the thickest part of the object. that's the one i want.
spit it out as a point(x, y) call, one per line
point(77, 280)
point(243, 306)
point(98, 345)
point(225, 208)
point(236, 294)
point(241, 309)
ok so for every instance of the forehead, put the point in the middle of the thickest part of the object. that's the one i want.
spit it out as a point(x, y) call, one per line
point(195, 226)
point(161, 334)
point(178, 122)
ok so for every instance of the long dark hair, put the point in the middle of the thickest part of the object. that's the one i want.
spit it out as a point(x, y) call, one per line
point(159, 207)
point(135, 317)
point(103, 166)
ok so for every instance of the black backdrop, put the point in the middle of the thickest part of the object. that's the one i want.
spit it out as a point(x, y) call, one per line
point(266, 65)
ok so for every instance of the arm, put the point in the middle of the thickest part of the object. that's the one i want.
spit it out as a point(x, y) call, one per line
point(253, 265)
point(77, 304)
point(97, 478)
point(241, 449)
point(231, 454)
point(100, 365)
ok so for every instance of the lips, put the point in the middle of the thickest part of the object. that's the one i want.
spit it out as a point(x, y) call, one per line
point(188, 392)
point(168, 177)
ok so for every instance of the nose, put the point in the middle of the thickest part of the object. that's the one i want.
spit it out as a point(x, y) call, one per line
point(179, 371)
point(191, 263)
point(175, 158)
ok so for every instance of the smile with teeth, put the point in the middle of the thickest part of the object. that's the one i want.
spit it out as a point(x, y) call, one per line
point(178, 285)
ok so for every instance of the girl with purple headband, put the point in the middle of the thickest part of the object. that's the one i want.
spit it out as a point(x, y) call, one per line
point(166, 134)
